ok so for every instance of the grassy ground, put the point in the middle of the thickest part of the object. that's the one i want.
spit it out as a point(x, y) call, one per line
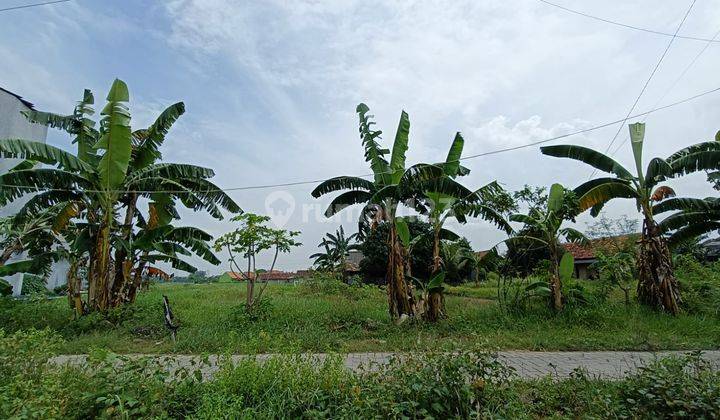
point(335, 317)
point(464, 384)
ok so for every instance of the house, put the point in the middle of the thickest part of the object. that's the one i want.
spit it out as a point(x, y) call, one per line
point(14, 125)
point(352, 262)
point(274, 276)
point(585, 255)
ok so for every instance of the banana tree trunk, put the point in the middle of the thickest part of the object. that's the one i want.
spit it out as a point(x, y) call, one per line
point(122, 264)
point(401, 299)
point(555, 283)
point(657, 285)
point(436, 300)
point(137, 279)
point(99, 274)
point(73, 288)
point(11, 250)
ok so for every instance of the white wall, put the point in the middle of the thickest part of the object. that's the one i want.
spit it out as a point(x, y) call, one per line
point(13, 125)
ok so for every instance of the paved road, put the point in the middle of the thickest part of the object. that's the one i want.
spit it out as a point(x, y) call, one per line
point(604, 364)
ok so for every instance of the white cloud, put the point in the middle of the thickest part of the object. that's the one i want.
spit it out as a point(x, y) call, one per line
point(502, 132)
point(271, 87)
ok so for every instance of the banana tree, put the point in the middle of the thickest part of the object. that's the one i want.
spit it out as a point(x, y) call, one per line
point(112, 169)
point(445, 198)
point(693, 217)
point(337, 249)
point(546, 225)
point(391, 185)
point(657, 285)
point(33, 236)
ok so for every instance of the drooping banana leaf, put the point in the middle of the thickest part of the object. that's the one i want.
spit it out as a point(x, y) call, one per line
point(41, 152)
point(591, 157)
point(147, 152)
point(606, 192)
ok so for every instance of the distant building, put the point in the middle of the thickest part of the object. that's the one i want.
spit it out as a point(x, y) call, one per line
point(585, 255)
point(352, 262)
point(13, 125)
point(274, 276)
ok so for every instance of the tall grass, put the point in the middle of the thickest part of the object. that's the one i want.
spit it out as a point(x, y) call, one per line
point(335, 317)
point(466, 384)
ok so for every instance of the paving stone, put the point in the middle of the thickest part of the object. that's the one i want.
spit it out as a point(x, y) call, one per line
point(527, 364)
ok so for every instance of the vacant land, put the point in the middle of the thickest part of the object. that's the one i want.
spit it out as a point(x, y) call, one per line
point(332, 317)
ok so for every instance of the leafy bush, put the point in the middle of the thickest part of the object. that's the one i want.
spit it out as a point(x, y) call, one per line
point(466, 384)
point(515, 296)
point(375, 251)
point(675, 387)
point(33, 285)
point(259, 311)
point(434, 385)
point(6, 288)
point(281, 387)
point(699, 284)
point(328, 286)
point(24, 372)
point(61, 290)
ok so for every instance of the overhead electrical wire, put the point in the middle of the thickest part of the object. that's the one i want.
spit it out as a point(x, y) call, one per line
point(624, 25)
point(647, 82)
point(25, 6)
point(672, 86)
point(488, 153)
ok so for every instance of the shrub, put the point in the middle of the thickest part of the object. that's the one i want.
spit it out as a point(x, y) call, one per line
point(61, 290)
point(434, 385)
point(467, 384)
point(675, 387)
point(329, 286)
point(23, 372)
point(33, 285)
point(699, 284)
point(6, 288)
point(282, 386)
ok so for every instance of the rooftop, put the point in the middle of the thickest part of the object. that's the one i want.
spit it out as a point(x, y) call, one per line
point(19, 98)
point(588, 251)
point(274, 275)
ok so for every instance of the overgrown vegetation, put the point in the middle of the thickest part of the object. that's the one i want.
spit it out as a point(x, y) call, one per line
point(91, 200)
point(324, 315)
point(467, 384)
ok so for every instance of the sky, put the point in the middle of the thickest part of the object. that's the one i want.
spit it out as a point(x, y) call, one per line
point(271, 88)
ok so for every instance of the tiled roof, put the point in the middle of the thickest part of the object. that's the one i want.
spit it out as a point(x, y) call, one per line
point(352, 267)
point(587, 251)
point(235, 276)
point(270, 275)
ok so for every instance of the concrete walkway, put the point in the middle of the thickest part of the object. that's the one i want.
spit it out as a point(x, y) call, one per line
point(602, 364)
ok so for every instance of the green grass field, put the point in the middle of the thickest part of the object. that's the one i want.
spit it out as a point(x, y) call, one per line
point(339, 318)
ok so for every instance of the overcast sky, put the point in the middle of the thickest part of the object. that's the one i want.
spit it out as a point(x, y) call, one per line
point(271, 87)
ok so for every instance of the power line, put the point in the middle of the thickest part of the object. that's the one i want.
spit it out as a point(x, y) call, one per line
point(624, 25)
point(672, 86)
point(488, 153)
point(647, 82)
point(33, 5)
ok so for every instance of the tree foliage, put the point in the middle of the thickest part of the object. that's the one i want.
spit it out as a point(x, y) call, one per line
point(98, 193)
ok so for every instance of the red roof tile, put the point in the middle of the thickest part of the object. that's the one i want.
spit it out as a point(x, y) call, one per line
point(587, 251)
point(269, 275)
